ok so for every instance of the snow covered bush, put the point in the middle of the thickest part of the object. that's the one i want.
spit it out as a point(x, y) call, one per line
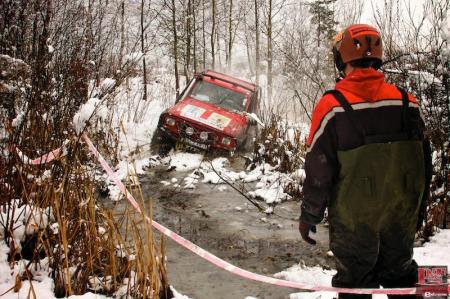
point(283, 147)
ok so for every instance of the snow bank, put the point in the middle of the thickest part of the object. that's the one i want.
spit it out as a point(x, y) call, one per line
point(132, 119)
point(107, 84)
point(128, 172)
point(177, 295)
point(185, 161)
point(91, 111)
point(270, 183)
point(269, 187)
point(27, 220)
point(136, 119)
point(311, 275)
point(435, 252)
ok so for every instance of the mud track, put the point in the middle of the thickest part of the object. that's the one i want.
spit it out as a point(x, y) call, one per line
point(224, 223)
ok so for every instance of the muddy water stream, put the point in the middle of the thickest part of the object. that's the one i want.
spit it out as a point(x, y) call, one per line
point(224, 223)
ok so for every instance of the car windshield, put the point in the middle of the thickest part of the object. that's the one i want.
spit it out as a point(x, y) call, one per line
point(219, 96)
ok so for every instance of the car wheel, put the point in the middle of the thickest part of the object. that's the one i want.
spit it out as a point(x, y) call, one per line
point(162, 143)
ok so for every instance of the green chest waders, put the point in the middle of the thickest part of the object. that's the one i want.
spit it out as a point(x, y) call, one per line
point(378, 184)
point(374, 208)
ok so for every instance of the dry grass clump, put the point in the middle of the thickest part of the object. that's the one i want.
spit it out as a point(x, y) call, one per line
point(83, 245)
point(51, 218)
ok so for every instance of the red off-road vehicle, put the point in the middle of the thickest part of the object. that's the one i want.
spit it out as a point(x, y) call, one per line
point(215, 111)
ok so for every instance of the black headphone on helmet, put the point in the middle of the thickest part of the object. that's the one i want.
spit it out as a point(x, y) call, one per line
point(340, 65)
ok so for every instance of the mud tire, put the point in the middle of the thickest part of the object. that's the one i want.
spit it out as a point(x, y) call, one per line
point(161, 143)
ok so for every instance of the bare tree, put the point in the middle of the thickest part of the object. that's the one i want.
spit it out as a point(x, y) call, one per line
point(257, 35)
point(349, 12)
point(144, 67)
point(269, 51)
point(122, 32)
point(213, 33)
point(230, 34)
point(175, 48)
point(204, 34)
point(194, 4)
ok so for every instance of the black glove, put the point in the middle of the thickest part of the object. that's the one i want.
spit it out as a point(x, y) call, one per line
point(304, 229)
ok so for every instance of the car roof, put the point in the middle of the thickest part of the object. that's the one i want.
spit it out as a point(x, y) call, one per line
point(216, 75)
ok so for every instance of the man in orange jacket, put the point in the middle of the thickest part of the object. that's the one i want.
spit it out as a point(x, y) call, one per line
point(368, 163)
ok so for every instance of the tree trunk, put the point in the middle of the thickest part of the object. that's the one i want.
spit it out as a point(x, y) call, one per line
point(257, 58)
point(187, 59)
point(319, 21)
point(218, 47)
point(204, 34)
point(269, 51)
point(213, 32)
point(194, 29)
point(247, 47)
point(122, 33)
point(230, 34)
point(143, 51)
point(175, 49)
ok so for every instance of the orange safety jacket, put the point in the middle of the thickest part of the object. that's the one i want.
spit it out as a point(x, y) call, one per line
point(378, 110)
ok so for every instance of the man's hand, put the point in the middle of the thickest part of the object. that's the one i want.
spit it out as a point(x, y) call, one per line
point(304, 229)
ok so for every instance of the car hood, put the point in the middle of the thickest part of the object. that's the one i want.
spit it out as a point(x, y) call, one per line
point(211, 116)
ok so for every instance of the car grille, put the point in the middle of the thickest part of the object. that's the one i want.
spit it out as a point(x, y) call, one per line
point(197, 130)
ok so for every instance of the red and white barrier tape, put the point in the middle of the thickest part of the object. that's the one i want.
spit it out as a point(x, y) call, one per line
point(225, 265)
point(54, 154)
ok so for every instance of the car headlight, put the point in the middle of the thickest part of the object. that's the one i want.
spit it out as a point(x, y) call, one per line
point(170, 122)
point(204, 136)
point(226, 141)
point(189, 131)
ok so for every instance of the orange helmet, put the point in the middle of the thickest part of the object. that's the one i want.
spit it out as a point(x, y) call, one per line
point(358, 43)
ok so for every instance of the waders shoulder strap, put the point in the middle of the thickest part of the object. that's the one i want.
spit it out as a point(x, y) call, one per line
point(348, 111)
